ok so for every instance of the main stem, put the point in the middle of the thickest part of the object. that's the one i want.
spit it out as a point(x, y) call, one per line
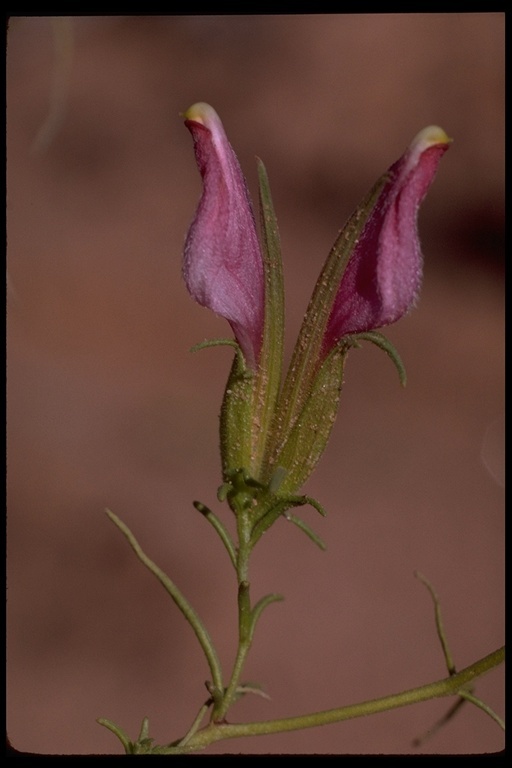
point(449, 686)
point(245, 619)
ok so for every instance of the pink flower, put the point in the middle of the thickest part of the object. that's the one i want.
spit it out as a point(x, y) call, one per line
point(222, 266)
point(382, 279)
point(273, 431)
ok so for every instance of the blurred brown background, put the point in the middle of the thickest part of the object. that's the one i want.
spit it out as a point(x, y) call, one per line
point(106, 407)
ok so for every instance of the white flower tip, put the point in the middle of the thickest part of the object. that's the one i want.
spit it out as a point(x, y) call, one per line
point(200, 113)
point(430, 136)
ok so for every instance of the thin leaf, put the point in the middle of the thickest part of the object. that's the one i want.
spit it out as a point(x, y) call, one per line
point(178, 598)
point(307, 530)
point(219, 527)
point(439, 623)
point(383, 343)
point(271, 358)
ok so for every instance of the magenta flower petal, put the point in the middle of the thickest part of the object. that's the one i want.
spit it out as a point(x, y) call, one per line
point(382, 279)
point(222, 265)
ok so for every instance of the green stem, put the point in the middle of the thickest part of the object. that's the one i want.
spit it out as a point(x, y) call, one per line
point(179, 599)
point(245, 617)
point(232, 689)
point(449, 686)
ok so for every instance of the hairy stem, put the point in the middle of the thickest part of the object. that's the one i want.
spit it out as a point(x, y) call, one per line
point(449, 686)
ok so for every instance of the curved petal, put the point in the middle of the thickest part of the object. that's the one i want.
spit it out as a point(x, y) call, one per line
point(383, 276)
point(222, 264)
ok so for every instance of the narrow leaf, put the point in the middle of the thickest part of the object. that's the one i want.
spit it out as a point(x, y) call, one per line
point(271, 359)
point(307, 530)
point(383, 343)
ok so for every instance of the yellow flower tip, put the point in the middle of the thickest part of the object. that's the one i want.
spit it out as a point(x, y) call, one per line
point(199, 113)
point(430, 136)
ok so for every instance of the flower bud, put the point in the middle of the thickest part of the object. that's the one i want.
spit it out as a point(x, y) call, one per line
point(222, 264)
point(382, 278)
